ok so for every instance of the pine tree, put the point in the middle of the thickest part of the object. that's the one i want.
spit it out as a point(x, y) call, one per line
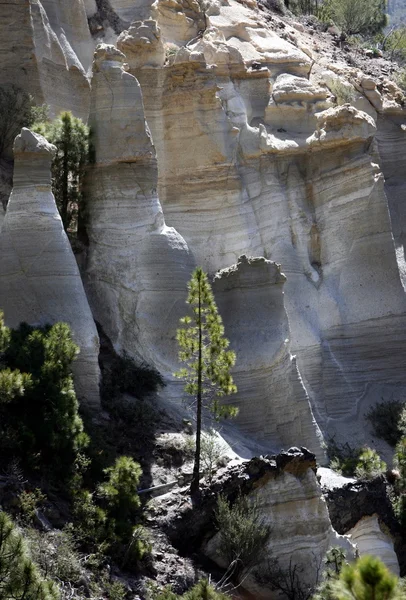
point(71, 138)
point(367, 579)
point(203, 349)
point(19, 577)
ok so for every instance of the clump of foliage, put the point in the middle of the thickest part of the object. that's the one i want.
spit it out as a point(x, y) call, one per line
point(125, 376)
point(363, 463)
point(385, 418)
point(334, 562)
point(17, 110)
point(244, 534)
point(369, 464)
point(121, 504)
point(399, 463)
point(201, 591)
point(71, 137)
point(368, 578)
point(212, 451)
point(343, 93)
point(365, 17)
point(303, 7)
point(19, 577)
point(203, 350)
point(39, 419)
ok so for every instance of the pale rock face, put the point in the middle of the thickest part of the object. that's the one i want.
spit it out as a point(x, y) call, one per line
point(53, 39)
point(273, 404)
point(142, 45)
point(369, 538)
point(137, 267)
point(291, 503)
point(39, 278)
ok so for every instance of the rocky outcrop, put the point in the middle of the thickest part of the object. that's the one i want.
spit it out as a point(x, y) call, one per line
point(137, 266)
point(285, 490)
point(43, 46)
point(369, 538)
point(363, 509)
point(273, 404)
point(39, 278)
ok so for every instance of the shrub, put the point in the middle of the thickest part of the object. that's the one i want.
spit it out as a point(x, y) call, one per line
point(343, 93)
point(367, 579)
point(385, 420)
point(19, 577)
point(399, 462)
point(363, 463)
point(39, 421)
point(243, 533)
point(356, 16)
point(201, 591)
point(120, 495)
point(212, 451)
point(28, 502)
point(369, 464)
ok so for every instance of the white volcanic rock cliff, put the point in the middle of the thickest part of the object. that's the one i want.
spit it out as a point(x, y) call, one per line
point(39, 278)
point(137, 267)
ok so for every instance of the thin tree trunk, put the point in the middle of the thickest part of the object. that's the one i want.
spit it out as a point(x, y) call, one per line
point(194, 487)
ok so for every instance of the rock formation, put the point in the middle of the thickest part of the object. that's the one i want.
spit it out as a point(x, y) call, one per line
point(285, 490)
point(369, 538)
point(137, 267)
point(43, 46)
point(39, 278)
point(273, 404)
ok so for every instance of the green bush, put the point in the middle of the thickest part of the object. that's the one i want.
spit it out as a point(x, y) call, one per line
point(399, 463)
point(39, 420)
point(385, 418)
point(201, 591)
point(363, 463)
point(243, 533)
point(19, 577)
point(355, 16)
point(367, 579)
point(369, 464)
point(343, 93)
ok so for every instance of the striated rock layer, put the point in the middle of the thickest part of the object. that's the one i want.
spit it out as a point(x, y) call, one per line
point(137, 267)
point(273, 404)
point(39, 278)
point(43, 44)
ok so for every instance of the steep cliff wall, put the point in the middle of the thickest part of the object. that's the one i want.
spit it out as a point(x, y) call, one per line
point(42, 46)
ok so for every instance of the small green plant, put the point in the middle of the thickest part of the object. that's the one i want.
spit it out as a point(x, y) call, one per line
point(367, 579)
point(400, 79)
point(363, 463)
point(19, 576)
point(385, 418)
point(28, 503)
point(212, 451)
point(120, 496)
point(343, 93)
point(399, 462)
point(369, 464)
point(201, 591)
point(365, 17)
point(244, 534)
